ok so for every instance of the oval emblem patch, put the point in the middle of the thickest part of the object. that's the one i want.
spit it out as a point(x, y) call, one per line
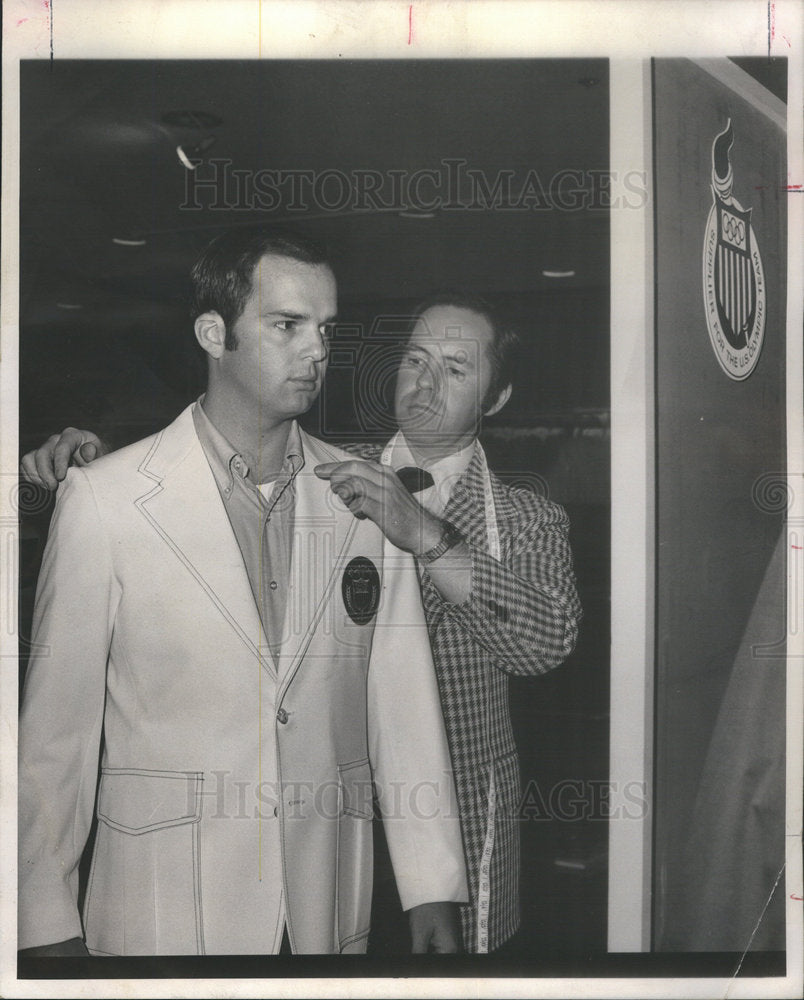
point(360, 587)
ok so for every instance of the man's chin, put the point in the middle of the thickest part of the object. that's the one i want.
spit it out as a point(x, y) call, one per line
point(301, 398)
point(293, 410)
point(421, 423)
point(304, 407)
point(422, 437)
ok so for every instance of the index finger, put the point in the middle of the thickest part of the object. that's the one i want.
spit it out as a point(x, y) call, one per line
point(62, 456)
point(326, 470)
point(43, 459)
point(352, 467)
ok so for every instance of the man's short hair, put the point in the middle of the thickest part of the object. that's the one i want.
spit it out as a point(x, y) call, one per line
point(505, 342)
point(222, 275)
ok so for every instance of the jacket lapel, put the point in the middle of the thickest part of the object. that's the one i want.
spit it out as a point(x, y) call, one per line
point(322, 531)
point(183, 505)
point(465, 506)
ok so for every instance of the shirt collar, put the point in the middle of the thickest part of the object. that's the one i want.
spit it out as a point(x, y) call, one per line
point(227, 463)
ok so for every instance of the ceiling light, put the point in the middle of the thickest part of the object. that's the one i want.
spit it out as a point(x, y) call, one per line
point(185, 160)
point(128, 243)
point(186, 156)
point(558, 274)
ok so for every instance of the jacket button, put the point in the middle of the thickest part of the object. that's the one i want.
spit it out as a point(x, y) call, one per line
point(499, 612)
point(282, 716)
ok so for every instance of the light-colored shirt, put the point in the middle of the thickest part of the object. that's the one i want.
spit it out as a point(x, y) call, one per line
point(261, 516)
point(445, 471)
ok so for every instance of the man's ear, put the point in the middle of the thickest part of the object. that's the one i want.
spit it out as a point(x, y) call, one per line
point(210, 332)
point(502, 399)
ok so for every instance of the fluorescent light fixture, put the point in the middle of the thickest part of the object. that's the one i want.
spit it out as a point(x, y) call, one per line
point(128, 243)
point(197, 150)
point(185, 160)
point(558, 274)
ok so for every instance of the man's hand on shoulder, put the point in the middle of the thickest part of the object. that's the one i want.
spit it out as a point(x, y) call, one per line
point(74, 948)
point(435, 927)
point(47, 465)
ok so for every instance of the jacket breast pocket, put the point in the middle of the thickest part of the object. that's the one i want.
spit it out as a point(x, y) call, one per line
point(354, 856)
point(144, 891)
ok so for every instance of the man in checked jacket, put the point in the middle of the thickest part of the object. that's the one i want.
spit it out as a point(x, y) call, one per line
point(496, 572)
point(496, 575)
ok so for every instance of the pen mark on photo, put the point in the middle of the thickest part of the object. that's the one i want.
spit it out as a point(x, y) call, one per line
point(756, 928)
point(48, 5)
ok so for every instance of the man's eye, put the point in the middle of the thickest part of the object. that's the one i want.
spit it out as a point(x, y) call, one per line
point(327, 330)
point(288, 325)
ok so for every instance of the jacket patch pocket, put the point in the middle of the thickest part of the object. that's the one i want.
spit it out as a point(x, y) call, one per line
point(136, 801)
point(354, 856)
point(144, 891)
point(356, 789)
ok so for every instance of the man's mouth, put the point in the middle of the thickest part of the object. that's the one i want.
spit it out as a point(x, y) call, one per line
point(422, 409)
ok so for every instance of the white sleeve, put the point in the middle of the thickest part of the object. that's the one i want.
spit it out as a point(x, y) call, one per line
point(408, 746)
point(62, 714)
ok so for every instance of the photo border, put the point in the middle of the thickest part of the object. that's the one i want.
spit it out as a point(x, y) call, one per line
point(629, 34)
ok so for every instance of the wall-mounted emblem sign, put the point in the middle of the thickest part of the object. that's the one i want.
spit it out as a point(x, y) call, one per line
point(733, 280)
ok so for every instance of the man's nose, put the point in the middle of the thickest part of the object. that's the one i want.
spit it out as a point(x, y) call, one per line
point(426, 378)
point(316, 346)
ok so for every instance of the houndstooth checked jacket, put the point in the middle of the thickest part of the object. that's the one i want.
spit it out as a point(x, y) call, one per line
point(522, 618)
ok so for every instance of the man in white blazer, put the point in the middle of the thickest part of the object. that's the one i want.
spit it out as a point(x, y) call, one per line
point(249, 660)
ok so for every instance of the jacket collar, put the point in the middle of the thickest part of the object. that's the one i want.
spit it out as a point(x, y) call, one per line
point(181, 483)
point(184, 506)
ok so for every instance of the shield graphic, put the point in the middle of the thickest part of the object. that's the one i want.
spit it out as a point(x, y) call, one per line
point(735, 286)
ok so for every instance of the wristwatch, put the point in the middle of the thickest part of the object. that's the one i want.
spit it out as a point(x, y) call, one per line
point(450, 537)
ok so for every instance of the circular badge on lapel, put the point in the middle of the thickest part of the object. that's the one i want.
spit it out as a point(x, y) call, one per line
point(360, 587)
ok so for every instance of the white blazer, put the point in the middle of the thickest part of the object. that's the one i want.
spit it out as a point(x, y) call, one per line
point(235, 794)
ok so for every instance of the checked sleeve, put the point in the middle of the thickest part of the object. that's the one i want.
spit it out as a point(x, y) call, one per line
point(524, 610)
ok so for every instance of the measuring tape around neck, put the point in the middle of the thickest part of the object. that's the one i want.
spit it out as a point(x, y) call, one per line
point(495, 550)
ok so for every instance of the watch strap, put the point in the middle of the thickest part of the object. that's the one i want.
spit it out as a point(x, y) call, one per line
point(450, 537)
